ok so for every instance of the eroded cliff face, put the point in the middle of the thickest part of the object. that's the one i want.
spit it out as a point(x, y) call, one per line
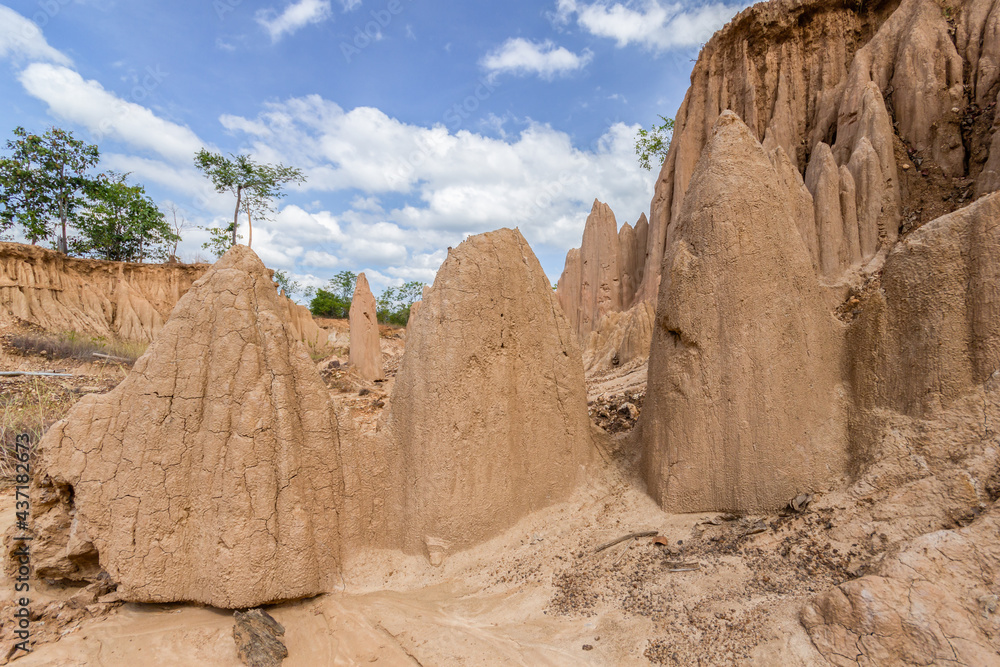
point(120, 300)
point(901, 94)
point(744, 406)
point(825, 163)
point(884, 113)
point(599, 282)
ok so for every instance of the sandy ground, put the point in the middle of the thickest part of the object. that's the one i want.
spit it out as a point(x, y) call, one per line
point(538, 595)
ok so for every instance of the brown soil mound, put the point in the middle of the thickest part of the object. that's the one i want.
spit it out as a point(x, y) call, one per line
point(489, 409)
point(211, 473)
point(366, 354)
point(743, 408)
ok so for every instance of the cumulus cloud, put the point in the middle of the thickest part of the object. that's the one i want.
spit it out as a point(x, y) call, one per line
point(653, 24)
point(87, 103)
point(444, 185)
point(21, 39)
point(296, 16)
point(520, 56)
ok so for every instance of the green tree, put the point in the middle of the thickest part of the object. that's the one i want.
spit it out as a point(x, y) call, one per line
point(121, 223)
point(335, 300)
point(220, 239)
point(254, 185)
point(343, 284)
point(286, 284)
point(328, 304)
point(44, 181)
point(653, 144)
point(393, 305)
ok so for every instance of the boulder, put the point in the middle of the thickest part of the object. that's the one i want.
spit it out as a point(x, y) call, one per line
point(744, 408)
point(211, 474)
point(366, 350)
point(489, 410)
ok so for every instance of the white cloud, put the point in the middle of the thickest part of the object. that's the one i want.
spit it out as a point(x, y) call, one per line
point(350, 5)
point(297, 16)
point(655, 25)
point(21, 39)
point(87, 103)
point(520, 56)
point(320, 259)
point(443, 185)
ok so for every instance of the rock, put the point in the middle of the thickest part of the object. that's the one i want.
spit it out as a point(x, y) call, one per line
point(622, 336)
point(600, 271)
point(569, 286)
point(744, 406)
point(627, 270)
point(366, 350)
point(211, 474)
point(489, 411)
point(256, 634)
point(800, 200)
point(61, 550)
point(920, 606)
point(921, 344)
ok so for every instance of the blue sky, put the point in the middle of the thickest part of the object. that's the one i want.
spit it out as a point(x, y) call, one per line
point(416, 123)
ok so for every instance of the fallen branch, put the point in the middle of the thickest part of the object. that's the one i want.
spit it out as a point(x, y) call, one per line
point(108, 357)
point(647, 533)
point(678, 566)
point(14, 374)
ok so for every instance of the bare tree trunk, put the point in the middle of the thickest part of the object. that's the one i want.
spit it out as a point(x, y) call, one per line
point(236, 214)
point(249, 226)
point(63, 241)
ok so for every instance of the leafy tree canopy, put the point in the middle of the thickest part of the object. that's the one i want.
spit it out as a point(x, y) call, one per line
point(335, 300)
point(120, 223)
point(44, 182)
point(652, 145)
point(394, 303)
point(254, 185)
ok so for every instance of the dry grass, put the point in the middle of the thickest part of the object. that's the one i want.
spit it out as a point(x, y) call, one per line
point(29, 408)
point(74, 346)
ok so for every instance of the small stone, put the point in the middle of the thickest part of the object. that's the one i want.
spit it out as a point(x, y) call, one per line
point(256, 634)
point(588, 647)
point(989, 604)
